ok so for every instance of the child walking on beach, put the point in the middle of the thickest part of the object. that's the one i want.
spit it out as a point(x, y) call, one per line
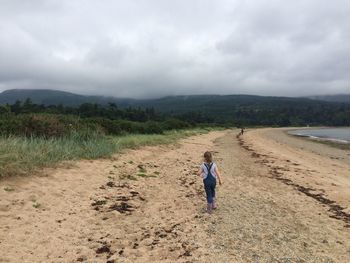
point(209, 171)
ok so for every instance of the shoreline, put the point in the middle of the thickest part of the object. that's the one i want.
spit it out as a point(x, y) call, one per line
point(343, 145)
point(336, 143)
point(333, 142)
point(304, 162)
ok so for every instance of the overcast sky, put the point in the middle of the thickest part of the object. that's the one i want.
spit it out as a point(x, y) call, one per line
point(152, 48)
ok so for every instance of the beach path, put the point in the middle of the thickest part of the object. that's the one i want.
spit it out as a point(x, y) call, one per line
point(147, 205)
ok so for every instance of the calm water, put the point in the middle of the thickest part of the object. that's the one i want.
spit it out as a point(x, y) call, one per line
point(335, 134)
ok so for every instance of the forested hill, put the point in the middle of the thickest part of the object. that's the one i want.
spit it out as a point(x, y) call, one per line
point(219, 103)
point(235, 109)
point(56, 97)
point(345, 98)
point(254, 110)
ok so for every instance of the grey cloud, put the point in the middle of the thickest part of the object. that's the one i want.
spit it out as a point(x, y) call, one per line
point(155, 48)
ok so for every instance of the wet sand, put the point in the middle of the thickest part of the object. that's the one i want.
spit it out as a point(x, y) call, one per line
point(147, 205)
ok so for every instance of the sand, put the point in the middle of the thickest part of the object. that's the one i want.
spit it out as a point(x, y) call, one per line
point(147, 205)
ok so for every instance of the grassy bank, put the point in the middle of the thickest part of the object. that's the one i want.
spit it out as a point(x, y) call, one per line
point(23, 156)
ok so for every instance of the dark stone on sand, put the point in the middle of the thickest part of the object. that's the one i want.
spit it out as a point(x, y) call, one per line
point(103, 249)
point(110, 184)
point(122, 207)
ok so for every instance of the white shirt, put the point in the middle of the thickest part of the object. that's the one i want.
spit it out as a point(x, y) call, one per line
point(205, 170)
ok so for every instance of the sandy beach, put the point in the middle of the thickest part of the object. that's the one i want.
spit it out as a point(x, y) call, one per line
point(283, 199)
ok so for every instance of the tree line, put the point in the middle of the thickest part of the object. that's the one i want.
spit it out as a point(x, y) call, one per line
point(30, 119)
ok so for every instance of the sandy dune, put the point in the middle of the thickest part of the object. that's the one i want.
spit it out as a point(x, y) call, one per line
point(146, 205)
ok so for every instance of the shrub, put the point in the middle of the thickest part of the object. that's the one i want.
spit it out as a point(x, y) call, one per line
point(152, 127)
point(56, 126)
point(46, 125)
point(110, 127)
point(177, 124)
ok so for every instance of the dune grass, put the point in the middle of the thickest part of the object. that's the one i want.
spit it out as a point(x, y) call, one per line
point(24, 156)
point(137, 140)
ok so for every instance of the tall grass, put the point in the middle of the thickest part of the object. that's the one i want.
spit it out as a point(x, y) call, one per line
point(23, 156)
point(137, 140)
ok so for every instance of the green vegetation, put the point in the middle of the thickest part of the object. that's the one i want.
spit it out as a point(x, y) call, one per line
point(145, 175)
point(136, 140)
point(56, 97)
point(128, 176)
point(231, 110)
point(34, 136)
point(142, 170)
point(21, 155)
point(24, 155)
point(8, 189)
point(245, 110)
point(36, 204)
point(41, 135)
point(333, 98)
point(105, 121)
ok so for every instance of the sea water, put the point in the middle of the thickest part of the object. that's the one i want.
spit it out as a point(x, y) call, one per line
point(331, 134)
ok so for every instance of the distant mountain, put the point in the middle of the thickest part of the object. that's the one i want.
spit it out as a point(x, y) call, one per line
point(217, 103)
point(177, 104)
point(345, 98)
point(56, 97)
point(223, 108)
point(245, 109)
